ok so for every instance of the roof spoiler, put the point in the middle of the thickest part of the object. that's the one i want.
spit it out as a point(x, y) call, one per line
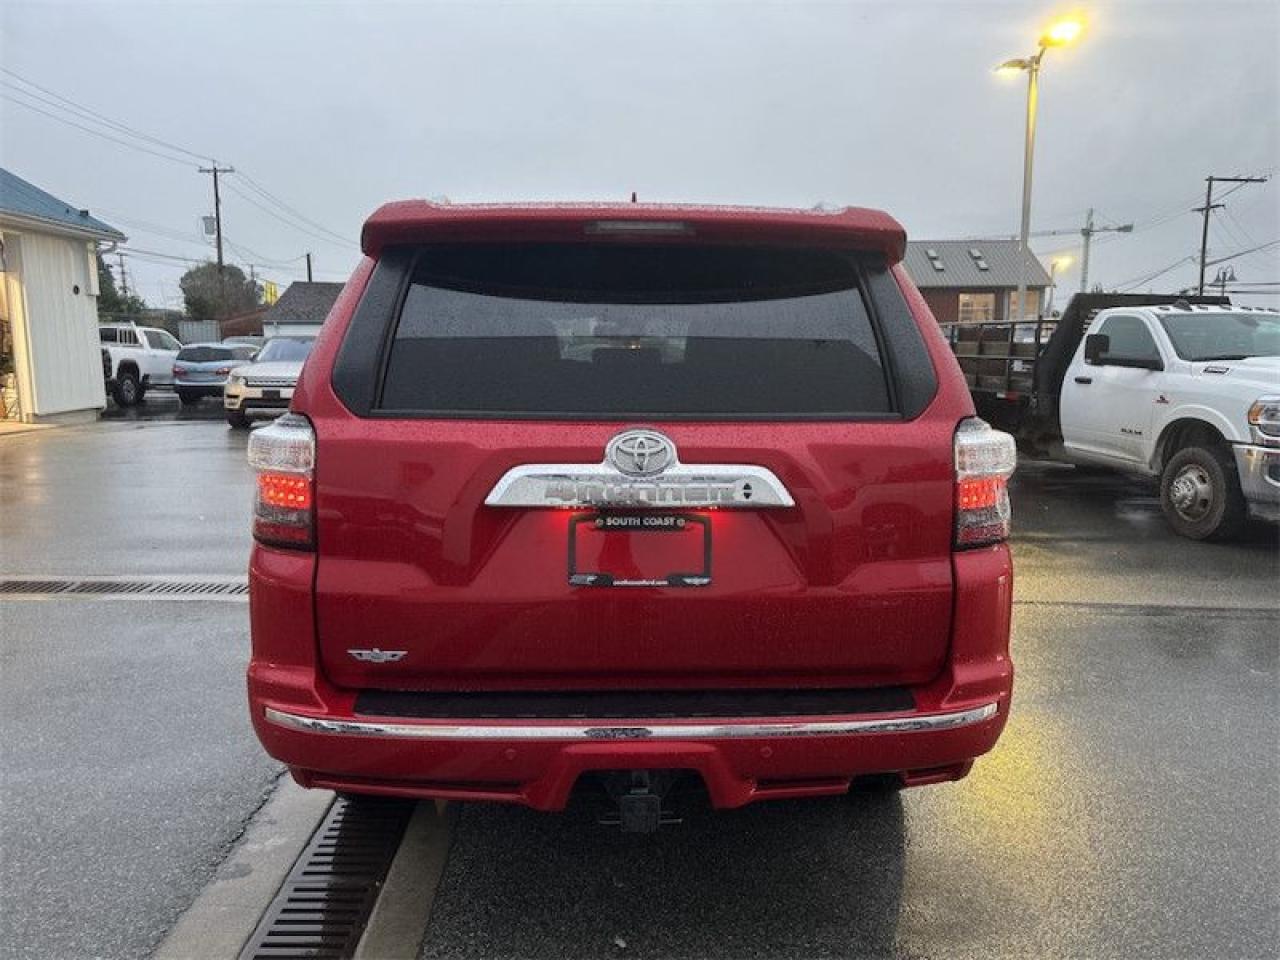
point(421, 221)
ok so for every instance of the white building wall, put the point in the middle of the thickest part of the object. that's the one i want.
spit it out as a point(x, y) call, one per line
point(56, 325)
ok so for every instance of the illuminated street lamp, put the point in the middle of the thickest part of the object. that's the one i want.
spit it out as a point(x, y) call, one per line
point(1056, 35)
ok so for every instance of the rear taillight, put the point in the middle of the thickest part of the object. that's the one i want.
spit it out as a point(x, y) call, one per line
point(222, 371)
point(283, 456)
point(985, 459)
point(178, 371)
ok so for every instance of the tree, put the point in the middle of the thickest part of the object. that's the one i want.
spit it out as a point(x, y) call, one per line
point(111, 303)
point(211, 295)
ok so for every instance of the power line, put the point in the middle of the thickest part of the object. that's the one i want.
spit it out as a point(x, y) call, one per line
point(71, 113)
point(281, 217)
point(157, 229)
point(1130, 284)
point(90, 130)
point(1243, 253)
point(133, 251)
point(258, 188)
point(93, 115)
point(1210, 206)
point(261, 260)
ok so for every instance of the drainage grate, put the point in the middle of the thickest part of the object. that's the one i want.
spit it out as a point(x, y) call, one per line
point(99, 586)
point(34, 586)
point(322, 908)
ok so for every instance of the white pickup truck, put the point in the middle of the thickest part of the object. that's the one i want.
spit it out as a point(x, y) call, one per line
point(1188, 393)
point(141, 358)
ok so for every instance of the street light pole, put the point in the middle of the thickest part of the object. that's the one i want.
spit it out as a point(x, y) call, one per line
point(1028, 157)
point(1058, 34)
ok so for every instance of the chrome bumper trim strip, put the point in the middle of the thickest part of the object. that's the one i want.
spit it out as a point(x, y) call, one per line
point(606, 731)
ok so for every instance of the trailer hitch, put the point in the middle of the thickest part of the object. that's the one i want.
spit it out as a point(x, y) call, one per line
point(639, 795)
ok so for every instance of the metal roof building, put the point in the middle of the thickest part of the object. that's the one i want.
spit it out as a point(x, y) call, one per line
point(974, 280)
point(301, 309)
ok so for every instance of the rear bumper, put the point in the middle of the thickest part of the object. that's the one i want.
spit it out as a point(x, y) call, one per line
point(204, 388)
point(315, 729)
point(537, 766)
point(1259, 470)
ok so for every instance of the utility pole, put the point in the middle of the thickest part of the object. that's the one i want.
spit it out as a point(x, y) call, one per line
point(124, 280)
point(1210, 206)
point(308, 268)
point(1088, 232)
point(217, 206)
point(1225, 275)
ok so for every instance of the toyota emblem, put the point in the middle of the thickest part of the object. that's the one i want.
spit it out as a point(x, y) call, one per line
point(640, 453)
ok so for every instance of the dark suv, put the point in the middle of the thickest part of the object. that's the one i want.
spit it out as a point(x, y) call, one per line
point(637, 493)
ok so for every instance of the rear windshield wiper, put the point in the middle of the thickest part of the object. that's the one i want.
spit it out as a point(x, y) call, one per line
point(1225, 356)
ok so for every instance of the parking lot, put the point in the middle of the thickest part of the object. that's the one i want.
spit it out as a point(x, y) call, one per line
point(1128, 811)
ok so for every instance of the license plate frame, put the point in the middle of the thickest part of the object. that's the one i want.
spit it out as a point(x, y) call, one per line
point(649, 524)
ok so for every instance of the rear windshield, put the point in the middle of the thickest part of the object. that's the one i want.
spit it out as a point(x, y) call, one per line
point(204, 354)
point(583, 331)
point(285, 349)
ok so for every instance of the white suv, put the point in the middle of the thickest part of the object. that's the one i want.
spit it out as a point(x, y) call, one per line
point(267, 383)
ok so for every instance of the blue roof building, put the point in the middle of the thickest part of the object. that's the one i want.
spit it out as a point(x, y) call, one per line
point(23, 201)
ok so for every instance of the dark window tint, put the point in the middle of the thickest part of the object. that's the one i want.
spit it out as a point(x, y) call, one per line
point(586, 331)
point(107, 334)
point(205, 354)
point(1130, 339)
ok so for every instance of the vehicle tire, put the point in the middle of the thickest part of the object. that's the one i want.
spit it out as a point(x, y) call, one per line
point(237, 419)
point(1200, 493)
point(127, 390)
point(188, 397)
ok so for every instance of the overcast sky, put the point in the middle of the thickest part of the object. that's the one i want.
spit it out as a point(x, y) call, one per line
point(335, 108)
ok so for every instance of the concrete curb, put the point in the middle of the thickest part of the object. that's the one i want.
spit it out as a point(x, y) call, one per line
point(399, 920)
point(220, 920)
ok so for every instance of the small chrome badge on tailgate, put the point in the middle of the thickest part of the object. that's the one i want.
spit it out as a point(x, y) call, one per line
point(640, 469)
point(375, 655)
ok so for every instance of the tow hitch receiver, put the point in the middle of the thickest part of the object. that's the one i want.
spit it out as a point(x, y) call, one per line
point(639, 795)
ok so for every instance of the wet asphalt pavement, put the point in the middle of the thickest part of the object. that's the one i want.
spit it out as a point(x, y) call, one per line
point(1129, 810)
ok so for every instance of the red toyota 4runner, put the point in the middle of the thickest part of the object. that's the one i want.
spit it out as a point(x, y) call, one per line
point(636, 493)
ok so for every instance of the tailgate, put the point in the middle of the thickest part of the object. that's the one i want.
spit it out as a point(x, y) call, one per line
point(618, 467)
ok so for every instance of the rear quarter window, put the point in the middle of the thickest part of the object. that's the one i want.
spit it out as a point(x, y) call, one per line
point(625, 332)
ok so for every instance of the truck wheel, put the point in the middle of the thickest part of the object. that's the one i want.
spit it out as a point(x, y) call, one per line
point(237, 419)
point(127, 391)
point(1200, 494)
point(188, 397)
